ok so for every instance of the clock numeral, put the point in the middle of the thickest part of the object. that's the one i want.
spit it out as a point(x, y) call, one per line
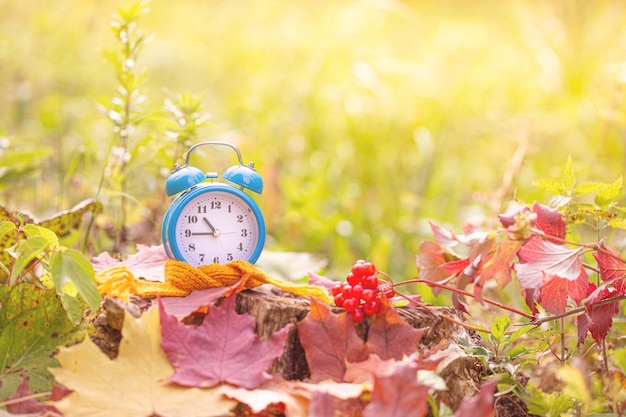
point(239, 218)
point(240, 246)
point(187, 233)
point(216, 205)
point(229, 257)
point(201, 209)
point(244, 232)
point(216, 260)
point(192, 219)
point(229, 208)
point(201, 256)
point(192, 247)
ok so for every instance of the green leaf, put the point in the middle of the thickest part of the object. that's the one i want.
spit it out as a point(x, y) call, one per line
point(28, 250)
point(589, 188)
point(619, 356)
point(71, 266)
point(548, 184)
point(32, 325)
point(559, 201)
point(520, 332)
point(33, 230)
point(568, 179)
point(499, 327)
point(609, 194)
point(517, 351)
point(617, 223)
point(544, 404)
point(6, 227)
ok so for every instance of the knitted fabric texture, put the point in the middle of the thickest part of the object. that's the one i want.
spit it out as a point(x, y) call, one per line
point(181, 279)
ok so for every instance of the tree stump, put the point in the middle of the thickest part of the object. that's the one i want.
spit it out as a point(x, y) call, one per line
point(274, 311)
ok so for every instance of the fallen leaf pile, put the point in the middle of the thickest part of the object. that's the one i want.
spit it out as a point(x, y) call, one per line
point(168, 366)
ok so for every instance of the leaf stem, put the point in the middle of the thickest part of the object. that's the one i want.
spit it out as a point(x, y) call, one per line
point(538, 321)
point(25, 398)
point(466, 293)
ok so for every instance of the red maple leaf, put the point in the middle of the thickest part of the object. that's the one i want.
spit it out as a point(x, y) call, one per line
point(550, 221)
point(481, 404)
point(363, 372)
point(612, 267)
point(219, 350)
point(146, 263)
point(554, 293)
point(329, 341)
point(598, 319)
point(390, 337)
point(398, 394)
point(539, 258)
point(184, 306)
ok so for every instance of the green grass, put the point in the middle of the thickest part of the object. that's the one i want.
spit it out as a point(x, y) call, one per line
point(365, 118)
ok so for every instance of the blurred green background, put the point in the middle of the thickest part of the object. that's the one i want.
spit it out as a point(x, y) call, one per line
point(366, 118)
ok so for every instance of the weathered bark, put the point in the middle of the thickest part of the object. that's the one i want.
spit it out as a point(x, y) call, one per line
point(463, 374)
point(273, 312)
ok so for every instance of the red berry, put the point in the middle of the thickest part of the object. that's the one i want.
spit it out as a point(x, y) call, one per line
point(363, 269)
point(347, 291)
point(339, 300)
point(357, 315)
point(353, 279)
point(371, 307)
point(370, 282)
point(357, 291)
point(350, 304)
point(336, 290)
point(387, 290)
point(368, 294)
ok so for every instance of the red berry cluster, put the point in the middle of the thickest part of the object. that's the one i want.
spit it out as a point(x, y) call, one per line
point(360, 293)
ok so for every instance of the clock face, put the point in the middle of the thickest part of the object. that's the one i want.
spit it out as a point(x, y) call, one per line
point(216, 227)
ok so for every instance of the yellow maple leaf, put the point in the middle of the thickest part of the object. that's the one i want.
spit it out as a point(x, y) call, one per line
point(135, 384)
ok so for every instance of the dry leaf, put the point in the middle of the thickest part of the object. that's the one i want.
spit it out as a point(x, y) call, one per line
point(135, 383)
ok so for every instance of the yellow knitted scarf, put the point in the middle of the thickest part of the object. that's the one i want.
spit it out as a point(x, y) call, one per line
point(181, 279)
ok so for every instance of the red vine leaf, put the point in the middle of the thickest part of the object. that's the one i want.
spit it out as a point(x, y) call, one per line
point(219, 349)
point(539, 257)
point(444, 237)
point(499, 266)
point(456, 267)
point(612, 267)
point(329, 341)
point(555, 291)
point(429, 262)
point(398, 394)
point(597, 319)
point(550, 221)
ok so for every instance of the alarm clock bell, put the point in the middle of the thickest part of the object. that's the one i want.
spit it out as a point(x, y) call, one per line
point(185, 177)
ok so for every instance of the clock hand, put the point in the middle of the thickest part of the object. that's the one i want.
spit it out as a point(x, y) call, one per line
point(202, 234)
point(208, 223)
point(216, 233)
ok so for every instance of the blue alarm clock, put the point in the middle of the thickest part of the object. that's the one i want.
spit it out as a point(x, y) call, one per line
point(213, 222)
